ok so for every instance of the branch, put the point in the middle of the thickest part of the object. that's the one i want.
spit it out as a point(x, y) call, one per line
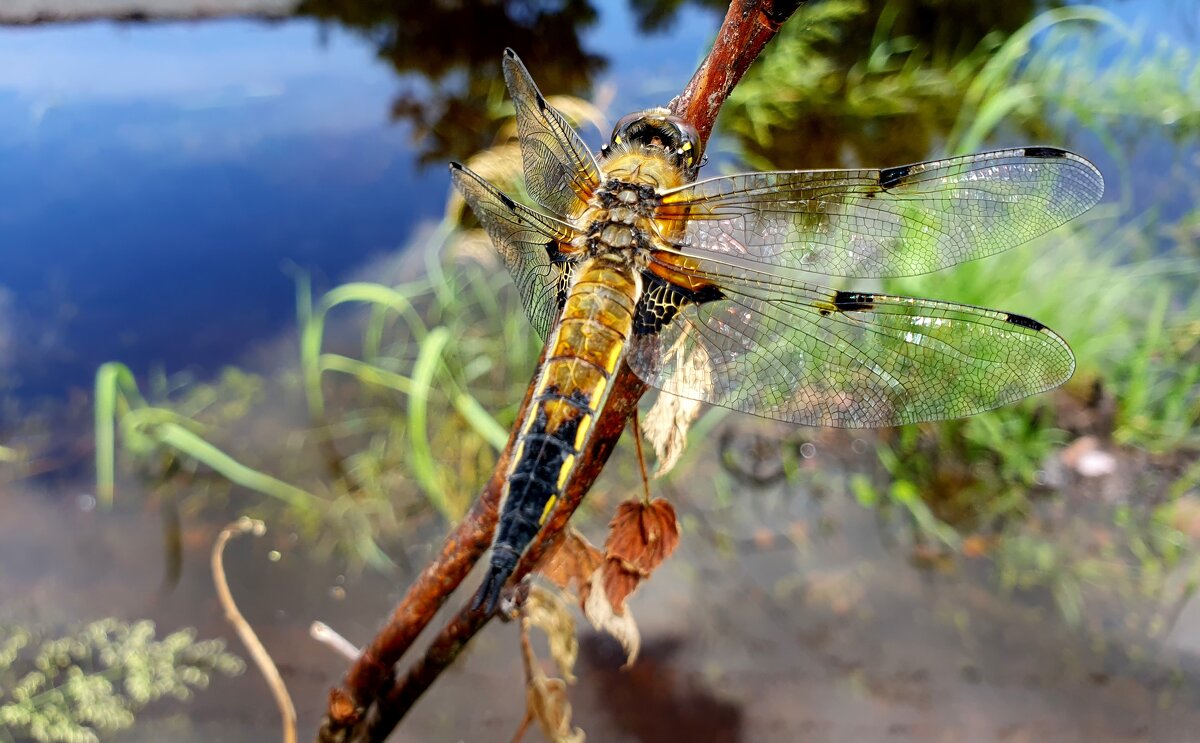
point(747, 28)
point(372, 674)
point(622, 403)
point(370, 701)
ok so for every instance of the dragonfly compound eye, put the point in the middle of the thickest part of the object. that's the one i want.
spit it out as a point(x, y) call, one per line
point(656, 128)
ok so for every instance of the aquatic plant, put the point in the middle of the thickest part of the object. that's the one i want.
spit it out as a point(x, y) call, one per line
point(1138, 342)
point(92, 682)
point(409, 407)
point(903, 97)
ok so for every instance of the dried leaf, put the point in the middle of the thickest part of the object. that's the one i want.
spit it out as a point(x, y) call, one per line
point(545, 610)
point(640, 537)
point(545, 698)
point(667, 423)
point(546, 701)
point(666, 428)
point(600, 613)
point(572, 562)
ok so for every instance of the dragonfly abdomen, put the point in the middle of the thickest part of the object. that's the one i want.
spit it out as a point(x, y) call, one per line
point(570, 388)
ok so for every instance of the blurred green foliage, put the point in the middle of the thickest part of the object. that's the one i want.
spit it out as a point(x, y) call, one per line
point(411, 416)
point(90, 682)
point(1121, 287)
point(826, 95)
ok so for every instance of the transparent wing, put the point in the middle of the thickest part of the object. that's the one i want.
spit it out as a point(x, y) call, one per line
point(526, 240)
point(902, 221)
point(560, 172)
point(802, 353)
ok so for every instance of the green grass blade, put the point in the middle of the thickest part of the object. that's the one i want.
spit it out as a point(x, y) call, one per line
point(112, 379)
point(366, 373)
point(424, 467)
point(186, 442)
point(480, 420)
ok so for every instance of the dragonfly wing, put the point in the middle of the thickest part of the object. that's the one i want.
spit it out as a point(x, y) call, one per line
point(527, 241)
point(900, 221)
point(801, 353)
point(560, 172)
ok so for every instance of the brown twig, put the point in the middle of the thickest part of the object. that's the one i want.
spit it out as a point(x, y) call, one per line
point(371, 701)
point(372, 674)
point(747, 28)
point(627, 390)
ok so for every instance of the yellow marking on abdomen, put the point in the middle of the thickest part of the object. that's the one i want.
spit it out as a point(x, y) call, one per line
point(567, 377)
point(549, 507)
point(567, 464)
point(586, 348)
point(590, 341)
point(581, 432)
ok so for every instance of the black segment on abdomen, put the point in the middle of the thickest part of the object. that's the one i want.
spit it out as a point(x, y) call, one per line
point(534, 479)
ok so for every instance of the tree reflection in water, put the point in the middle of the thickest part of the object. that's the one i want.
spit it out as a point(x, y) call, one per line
point(452, 90)
point(456, 48)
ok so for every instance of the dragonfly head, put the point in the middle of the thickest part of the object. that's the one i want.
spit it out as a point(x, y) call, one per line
point(658, 129)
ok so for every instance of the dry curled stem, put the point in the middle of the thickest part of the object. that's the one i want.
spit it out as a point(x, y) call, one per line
point(262, 659)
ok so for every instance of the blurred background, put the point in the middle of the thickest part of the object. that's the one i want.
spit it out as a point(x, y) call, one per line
point(234, 281)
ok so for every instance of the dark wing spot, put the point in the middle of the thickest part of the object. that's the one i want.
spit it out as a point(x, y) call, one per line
point(1024, 322)
point(1044, 152)
point(565, 266)
point(509, 203)
point(891, 177)
point(853, 301)
point(662, 300)
point(706, 293)
point(456, 166)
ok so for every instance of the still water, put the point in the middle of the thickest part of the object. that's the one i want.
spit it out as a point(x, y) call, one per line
point(164, 183)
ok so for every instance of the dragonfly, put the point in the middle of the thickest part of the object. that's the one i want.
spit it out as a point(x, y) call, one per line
point(705, 288)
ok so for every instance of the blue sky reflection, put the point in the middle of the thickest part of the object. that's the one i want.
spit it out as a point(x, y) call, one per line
point(158, 178)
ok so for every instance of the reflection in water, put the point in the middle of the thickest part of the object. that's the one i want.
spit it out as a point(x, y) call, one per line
point(909, 49)
point(197, 197)
point(455, 47)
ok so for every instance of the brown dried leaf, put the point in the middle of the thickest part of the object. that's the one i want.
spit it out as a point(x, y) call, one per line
point(667, 423)
point(572, 562)
point(640, 537)
point(545, 698)
point(600, 613)
point(546, 701)
point(545, 610)
point(666, 428)
point(618, 583)
point(642, 534)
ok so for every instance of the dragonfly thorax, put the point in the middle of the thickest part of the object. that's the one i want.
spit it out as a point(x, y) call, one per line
point(619, 221)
